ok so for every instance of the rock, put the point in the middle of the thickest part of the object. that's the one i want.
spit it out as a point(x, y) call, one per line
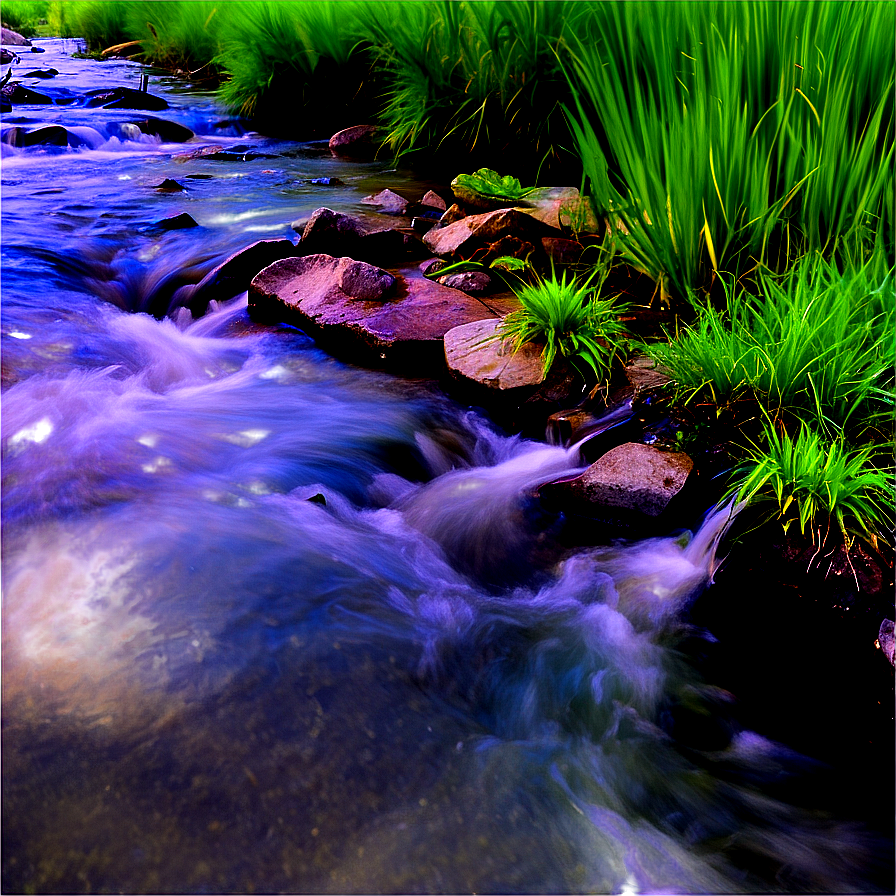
point(52, 135)
point(16, 95)
point(422, 225)
point(333, 233)
point(508, 246)
point(41, 73)
point(432, 266)
point(170, 186)
point(433, 200)
point(562, 251)
point(631, 477)
point(358, 142)
point(7, 56)
point(485, 228)
point(13, 39)
point(452, 213)
point(563, 208)
point(470, 281)
point(388, 202)
point(886, 640)
point(38, 50)
point(125, 98)
point(200, 153)
point(233, 275)
point(403, 329)
point(166, 131)
point(643, 376)
point(177, 222)
point(473, 353)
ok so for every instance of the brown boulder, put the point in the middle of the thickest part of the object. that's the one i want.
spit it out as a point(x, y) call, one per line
point(358, 142)
point(631, 477)
point(485, 228)
point(452, 213)
point(403, 331)
point(333, 233)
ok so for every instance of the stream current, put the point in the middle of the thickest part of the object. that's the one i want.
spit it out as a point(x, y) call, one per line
point(273, 623)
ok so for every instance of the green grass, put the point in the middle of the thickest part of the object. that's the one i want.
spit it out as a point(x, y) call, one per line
point(570, 319)
point(296, 67)
point(814, 341)
point(817, 484)
point(25, 16)
point(726, 135)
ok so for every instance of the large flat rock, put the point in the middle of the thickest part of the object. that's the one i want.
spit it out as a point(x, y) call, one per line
point(402, 328)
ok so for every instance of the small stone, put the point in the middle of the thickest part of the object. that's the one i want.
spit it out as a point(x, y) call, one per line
point(125, 98)
point(632, 477)
point(41, 73)
point(387, 201)
point(170, 186)
point(473, 282)
point(643, 375)
point(886, 640)
point(433, 200)
point(177, 222)
point(452, 213)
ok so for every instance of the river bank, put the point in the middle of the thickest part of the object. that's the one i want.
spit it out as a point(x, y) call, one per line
point(257, 595)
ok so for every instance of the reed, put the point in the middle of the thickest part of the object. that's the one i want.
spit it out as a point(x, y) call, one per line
point(726, 135)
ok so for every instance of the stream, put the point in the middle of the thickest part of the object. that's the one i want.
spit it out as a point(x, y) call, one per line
point(275, 623)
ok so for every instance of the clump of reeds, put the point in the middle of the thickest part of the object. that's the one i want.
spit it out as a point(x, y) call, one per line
point(723, 135)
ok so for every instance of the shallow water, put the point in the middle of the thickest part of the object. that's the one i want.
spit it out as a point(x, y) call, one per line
point(274, 623)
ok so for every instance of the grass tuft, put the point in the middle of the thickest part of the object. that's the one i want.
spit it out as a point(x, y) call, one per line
point(570, 319)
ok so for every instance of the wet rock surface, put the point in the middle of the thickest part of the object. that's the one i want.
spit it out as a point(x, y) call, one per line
point(354, 307)
point(484, 228)
point(476, 354)
point(632, 477)
point(357, 142)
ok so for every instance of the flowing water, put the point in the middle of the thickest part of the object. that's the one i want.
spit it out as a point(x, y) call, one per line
point(274, 623)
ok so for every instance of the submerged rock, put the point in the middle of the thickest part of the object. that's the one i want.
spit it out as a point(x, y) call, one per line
point(41, 73)
point(17, 95)
point(182, 221)
point(473, 282)
point(170, 186)
point(125, 98)
point(233, 275)
point(7, 56)
point(166, 131)
point(360, 310)
point(475, 353)
point(51, 135)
